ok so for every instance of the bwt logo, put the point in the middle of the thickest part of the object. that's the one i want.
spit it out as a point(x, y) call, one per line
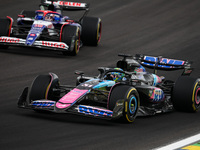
point(43, 104)
point(9, 40)
point(94, 111)
point(56, 45)
point(165, 60)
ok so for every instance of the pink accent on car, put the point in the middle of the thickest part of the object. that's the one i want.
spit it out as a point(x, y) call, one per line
point(70, 98)
point(61, 106)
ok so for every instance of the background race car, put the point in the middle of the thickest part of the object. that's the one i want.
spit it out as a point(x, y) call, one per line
point(47, 28)
point(118, 93)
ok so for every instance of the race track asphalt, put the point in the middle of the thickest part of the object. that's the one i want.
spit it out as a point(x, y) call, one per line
point(170, 28)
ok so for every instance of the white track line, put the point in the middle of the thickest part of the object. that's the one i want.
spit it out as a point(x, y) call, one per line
point(180, 143)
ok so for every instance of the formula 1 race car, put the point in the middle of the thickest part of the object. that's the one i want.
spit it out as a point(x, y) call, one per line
point(117, 93)
point(47, 28)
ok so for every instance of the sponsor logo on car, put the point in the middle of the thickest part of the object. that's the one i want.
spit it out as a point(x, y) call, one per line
point(30, 38)
point(71, 4)
point(43, 104)
point(158, 95)
point(32, 34)
point(164, 60)
point(94, 111)
point(54, 44)
point(38, 25)
point(9, 40)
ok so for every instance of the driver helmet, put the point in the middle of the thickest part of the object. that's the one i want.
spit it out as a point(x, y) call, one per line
point(49, 17)
point(57, 18)
point(117, 76)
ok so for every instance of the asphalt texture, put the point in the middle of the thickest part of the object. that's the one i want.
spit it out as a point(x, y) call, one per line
point(169, 28)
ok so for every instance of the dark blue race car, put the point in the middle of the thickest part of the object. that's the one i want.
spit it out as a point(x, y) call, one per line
point(47, 28)
point(121, 93)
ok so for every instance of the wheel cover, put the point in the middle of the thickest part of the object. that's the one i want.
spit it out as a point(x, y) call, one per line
point(77, 43)
point(99, 32)
point(197, 96)
point(132, 105)
point(76, 47)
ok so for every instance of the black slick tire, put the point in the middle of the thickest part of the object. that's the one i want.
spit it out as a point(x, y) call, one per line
point(131, 101)
point(91, 31)
point(71, 36)
point(42, 88)
point(186, 94)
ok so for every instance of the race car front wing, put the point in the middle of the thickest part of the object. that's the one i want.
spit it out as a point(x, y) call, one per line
point(13, 41)
point(86, 110)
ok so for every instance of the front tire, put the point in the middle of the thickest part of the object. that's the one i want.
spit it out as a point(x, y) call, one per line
point(131, 101)
point(43, 88)
point(71, 36)
point(186, 94)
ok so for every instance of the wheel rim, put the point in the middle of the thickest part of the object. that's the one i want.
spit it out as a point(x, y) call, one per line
point(77, 46)
point(133, 105)
point(77, 43)
point(99, 32)
point(197, 96)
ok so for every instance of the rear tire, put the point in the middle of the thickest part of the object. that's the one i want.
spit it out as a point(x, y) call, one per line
point(71, 36)
point(91, 31)
point(186, 94)
point(42, 88)
point(4, 30)
point(131, 103)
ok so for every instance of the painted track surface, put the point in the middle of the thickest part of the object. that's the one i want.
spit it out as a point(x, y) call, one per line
point(159, 27)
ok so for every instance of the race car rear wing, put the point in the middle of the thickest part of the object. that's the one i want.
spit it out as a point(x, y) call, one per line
point(161, 63)
point(129, 63)
point(66, 5)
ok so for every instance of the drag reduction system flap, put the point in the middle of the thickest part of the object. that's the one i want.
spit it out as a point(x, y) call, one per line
point(129, 62)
